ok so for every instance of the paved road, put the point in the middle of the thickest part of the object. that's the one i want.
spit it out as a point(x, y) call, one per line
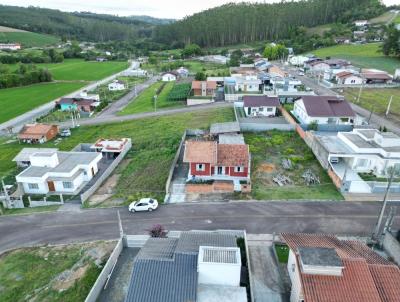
point(355, 218)
point(106, 119)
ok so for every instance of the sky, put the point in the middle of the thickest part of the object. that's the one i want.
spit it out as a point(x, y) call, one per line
point(175, 9)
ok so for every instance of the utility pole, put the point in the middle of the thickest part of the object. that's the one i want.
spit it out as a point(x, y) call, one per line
point(370, 114)
point(360, 92)
point(376, 233)
point(388, 107)
point(5, 195)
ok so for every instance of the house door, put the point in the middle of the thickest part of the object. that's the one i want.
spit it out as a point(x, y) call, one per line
point(220, 171)
point(50, 184)
point(92, 171)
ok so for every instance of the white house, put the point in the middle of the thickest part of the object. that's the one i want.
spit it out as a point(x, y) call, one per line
point(169, 77)
point(323, 110)
point(135, 73)
point(58, 172)
point(116, 86)
point(183, 72)
point(260, 105)
point(361, 23)
point(298, 60)
point(10, 46)
point(281, 84)
point(248, 83)
point(348, 78)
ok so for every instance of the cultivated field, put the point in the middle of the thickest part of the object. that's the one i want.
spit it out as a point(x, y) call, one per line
point(268, 150)
point(26, 38)
point(63, 273)
point(18, 100)
point(363, 55)
point(78, 69)
point(377, 100)
point(145, 101)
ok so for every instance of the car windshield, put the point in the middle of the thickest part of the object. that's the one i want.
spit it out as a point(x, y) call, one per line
point(151, 201)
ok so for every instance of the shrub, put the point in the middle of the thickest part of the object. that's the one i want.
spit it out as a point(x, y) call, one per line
point(157, 231)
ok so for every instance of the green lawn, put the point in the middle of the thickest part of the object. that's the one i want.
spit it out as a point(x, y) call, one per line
point(155, 141)
point(145, 101)
point(78, 69)
point(18, 100)
point(363, 55)
point(28, 39)
point(376, 100)
point(397, 20)
point(64, 273)
point(282, 251)
point(268, 149)
point(30, 210)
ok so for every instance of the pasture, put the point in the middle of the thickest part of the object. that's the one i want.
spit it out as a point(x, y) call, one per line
point(26, 38)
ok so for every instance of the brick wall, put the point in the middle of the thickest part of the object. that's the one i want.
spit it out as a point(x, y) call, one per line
point(335, 179)
point(215, 187)
point(287, 116)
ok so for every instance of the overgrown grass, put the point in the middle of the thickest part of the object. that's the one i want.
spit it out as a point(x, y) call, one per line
point(361, 55)
point(145, 101)
point(30, 210)
point(268, 149)
point(28, 39)
point(282, 251)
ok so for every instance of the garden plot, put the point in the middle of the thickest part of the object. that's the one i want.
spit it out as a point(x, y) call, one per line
point(283, 167)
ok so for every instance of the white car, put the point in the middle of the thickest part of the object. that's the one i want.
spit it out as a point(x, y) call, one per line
point(145, 204)
point(65, 133)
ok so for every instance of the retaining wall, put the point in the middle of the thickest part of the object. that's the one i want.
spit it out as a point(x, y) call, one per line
point(215, 187)
point(255, 127)
point(174, 163)
point(107, 173)
point(194, 102)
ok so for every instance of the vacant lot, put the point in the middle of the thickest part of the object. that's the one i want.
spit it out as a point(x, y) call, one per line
point(268, 150)
point(18, 100)
point(211, 69)
point(377, 100)
point(63, 273)
point(145, 101)
point(364, 56)
point(27, 39)
point(155, 141)
point(77, 69)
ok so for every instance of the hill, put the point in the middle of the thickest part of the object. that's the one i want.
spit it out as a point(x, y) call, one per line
point(248, 22)
point(79, 25)
point(26, 38)
point(152, 20)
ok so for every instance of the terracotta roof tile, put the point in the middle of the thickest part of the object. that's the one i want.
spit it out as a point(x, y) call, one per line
point(233, 155)
point(200, 152)
point(387, 281)
point(210, 84)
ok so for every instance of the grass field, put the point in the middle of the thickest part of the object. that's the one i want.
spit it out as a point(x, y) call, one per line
point(384, 18)
point(57, 274)
point(268, 150)
point(155, 141)
point(28, 39)
point(376, 100)
point(319, 30)
point(282, 251)
point(77, 69)
point(363, 55)
point(145, 101)
point(16, 101)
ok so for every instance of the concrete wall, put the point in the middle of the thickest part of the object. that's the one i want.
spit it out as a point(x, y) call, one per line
point(43, 203)
point(194, 101)
point(392, 246)
point(254, 127)
point(107, 173)
point(105, 273)
point(174, 163)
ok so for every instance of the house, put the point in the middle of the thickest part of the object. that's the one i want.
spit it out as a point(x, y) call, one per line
point(361, 23)
point(318, 66)
point(348, 78)
point(323, 268)
point(375, 76)
point(247, 83)
point(84, 95)
point(262, 64)
point(276, 71)
point(342, 40)
point(298, 60)
point(280, 84)
point(101, 59)
point(78, 104)
point(337, 63)
point(210, 160)
point(362, 151)
point(202, 266)
point(138, 72)
point(260, 105)
point(58, 172)
point(169, 76)
point(204, 88)
point(182, 72)
point(323, 110)
point(110, 148)
point(23, 157)
point(225, 128)
point(360, 35)
point(37, 133)
point(116, 85)
point(10, 46)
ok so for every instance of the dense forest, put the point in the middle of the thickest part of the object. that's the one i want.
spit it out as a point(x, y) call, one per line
point(248, 22)
point(80, 26)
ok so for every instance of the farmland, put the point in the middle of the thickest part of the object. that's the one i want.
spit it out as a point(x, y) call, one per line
point(376, 100)
point(27, 39)
point(58, 273)
point(210, 69)
point(362, 55)
point(268, 150)
point(77, 69)
point(16, 101)
point(155, 143)
point(145, 101)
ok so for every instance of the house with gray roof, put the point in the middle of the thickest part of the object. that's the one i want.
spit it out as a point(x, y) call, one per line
point(196, 266)
point(57, 172)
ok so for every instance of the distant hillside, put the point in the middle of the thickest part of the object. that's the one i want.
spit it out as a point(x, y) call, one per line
point(248, 22)
point(26, 38)
point(152, 20)
point(82, 26)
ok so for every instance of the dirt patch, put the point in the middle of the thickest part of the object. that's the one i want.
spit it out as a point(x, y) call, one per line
point(67, 278)
point(266, 168)
point(5, 29)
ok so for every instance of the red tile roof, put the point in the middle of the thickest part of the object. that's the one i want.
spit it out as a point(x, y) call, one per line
point(345, 74)
point(233, 155)
point(200, 152)
point(209, 84)
point(36, 131)
point(387, 281)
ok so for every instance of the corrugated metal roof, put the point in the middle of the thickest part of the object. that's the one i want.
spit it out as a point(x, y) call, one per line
point(219, 255)
point(189, 242)
point(158, 248)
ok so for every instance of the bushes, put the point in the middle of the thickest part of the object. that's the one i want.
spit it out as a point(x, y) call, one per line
point(179, 92)
point(24, 75)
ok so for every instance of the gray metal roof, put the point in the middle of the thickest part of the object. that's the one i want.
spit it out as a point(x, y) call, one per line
point(319, 256)
point(158, 248)
point(25, 153)
point(189, 242)
point(166, 281)
point(229, 127)
point(231, 139)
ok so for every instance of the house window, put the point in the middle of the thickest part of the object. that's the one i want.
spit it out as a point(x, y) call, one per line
point(269, 109)
point(200, 167)
point(33, 186)
point(261, 109)
point(239, 169)
point(67, 185)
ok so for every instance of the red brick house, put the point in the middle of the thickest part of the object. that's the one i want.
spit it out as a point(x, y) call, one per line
point(210, 160)
point(204, 88)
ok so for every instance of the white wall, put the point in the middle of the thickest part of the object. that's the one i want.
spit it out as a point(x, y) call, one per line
point(43, 188)
point(168, 78)
point(219, 273)
point(192, 102)
point(256, 111)
point(293, 269)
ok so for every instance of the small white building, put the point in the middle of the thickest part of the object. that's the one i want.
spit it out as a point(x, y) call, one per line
point(260, 105)
point(183, 72)
point(348, 78)
point(135, 73)
point(298, 60)
point(323, 110)
point(58, 172)
point(361, 23)
point(10, 46)
point(169, 77)
point(85, 96)
point(248, 83)
point(116, 86)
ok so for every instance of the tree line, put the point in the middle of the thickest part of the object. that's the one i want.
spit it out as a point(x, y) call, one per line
point(25, 74)
point(249, 22)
